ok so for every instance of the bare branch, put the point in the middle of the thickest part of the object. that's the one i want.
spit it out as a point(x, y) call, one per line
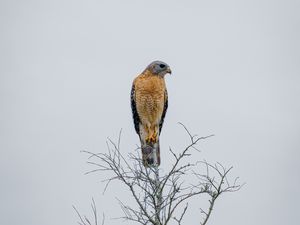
point(84, 220)
point(158, 197)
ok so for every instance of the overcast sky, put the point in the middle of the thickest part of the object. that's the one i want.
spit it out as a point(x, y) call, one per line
point(66, 69)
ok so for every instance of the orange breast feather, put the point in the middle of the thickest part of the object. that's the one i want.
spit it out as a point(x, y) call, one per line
point(149, 94)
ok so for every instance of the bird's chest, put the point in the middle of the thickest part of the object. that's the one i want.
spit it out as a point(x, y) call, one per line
point(150, 98)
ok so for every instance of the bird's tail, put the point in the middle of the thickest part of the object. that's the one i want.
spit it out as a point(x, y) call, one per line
point(151, 154)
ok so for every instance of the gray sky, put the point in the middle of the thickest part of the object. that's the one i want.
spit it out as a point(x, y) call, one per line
point(66, 70)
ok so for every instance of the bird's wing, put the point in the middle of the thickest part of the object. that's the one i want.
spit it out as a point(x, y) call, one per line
point(164, 111)
point(135, 114)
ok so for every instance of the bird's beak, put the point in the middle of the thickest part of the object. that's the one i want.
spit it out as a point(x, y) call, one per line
point(169, 70)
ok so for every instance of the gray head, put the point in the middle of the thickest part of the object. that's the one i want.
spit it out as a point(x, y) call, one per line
point(159, 68)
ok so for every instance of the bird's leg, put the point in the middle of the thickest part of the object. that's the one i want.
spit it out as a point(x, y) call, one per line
point(153, 137)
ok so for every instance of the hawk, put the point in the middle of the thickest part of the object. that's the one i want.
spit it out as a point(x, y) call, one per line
point(149, 103)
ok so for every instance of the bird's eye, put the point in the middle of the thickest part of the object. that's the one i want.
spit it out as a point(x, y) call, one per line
point(162, 65)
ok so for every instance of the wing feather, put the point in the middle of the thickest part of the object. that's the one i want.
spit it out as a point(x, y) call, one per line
point(164, 111)
point(135, 115)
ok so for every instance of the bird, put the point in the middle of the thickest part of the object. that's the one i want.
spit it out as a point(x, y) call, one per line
point(149, 104)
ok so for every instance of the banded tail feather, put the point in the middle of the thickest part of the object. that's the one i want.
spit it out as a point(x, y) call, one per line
point(151, 154)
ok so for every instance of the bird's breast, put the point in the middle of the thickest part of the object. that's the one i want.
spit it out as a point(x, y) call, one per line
point(150, 99)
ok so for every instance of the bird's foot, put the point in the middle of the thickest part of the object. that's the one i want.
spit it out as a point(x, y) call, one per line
point(153, 138)
point(148, 140)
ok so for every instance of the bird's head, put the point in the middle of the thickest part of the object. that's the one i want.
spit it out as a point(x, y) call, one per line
point(159, 68)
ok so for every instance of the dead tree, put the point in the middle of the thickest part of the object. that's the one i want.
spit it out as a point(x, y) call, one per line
point(161, 198)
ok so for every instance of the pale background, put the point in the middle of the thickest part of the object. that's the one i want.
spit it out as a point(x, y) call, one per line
point(66, 70)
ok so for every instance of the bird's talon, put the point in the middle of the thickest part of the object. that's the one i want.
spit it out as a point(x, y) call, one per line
point(148, 139)
point(153, 138)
